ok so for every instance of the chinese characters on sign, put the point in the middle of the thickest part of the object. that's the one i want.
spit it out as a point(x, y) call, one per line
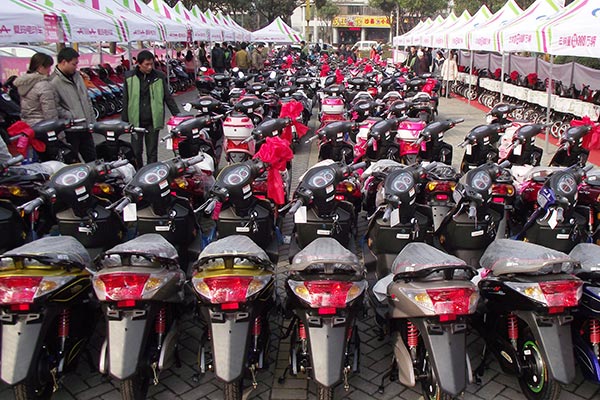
point(577, 41)
point(361, 21)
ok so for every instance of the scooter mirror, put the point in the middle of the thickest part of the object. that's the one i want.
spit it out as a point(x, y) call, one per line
point(240, 74)
point(273, 75)
point(235, 70)
point(187, 107)
point(203, 69)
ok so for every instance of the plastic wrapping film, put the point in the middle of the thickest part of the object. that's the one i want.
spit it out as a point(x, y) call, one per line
point(150, 244)
point(126, 172)
point(419, 256)
point(506, 256)
point(381, 165)
point(416, 257)
point(588, 254)
point(59, 249)
point(322, 251)
point(234, 245)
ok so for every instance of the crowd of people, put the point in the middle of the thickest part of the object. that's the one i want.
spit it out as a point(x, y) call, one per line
point(224, 56)
point(422, 61)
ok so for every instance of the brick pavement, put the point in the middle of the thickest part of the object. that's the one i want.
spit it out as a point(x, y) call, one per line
point(183, 383)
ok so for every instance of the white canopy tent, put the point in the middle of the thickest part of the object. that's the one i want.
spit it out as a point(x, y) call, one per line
point(416, 39)
point(457, 38)
point(575, 31)
point(523, 34)
point(483, 38)
point(80, 23)
point(28, 23)
point(200, 31)
point(399, 40)
point(246, 34)
point(228, 34)
point(407, 38)
point(173, 30)
point(136, 25)
point(427, 37)
point(440, 38)
point(216, 33)
point(277, 32)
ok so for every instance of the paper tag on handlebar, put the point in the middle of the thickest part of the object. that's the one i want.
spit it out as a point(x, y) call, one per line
point(300, 216)
point(169, 144)
point(130, 212)
point(187, 107)
point(395, 217)
point(518, 149)
point(553, 220)
point(468, 149)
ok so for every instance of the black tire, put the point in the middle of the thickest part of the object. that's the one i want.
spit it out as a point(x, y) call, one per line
point(233, 390)
point(24, 391)
point(96, 112)
point(324, 393)
point(135, 387)
point(535, 382)
point(38, 384)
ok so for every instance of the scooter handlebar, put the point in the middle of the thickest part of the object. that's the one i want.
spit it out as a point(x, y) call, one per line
point(118, 163)
point(208, 206)
point(120, 206)
point(311, 139)
point(295, 207)
point(194, 160)
point(387, 214)
point(31, 206)
point(458, 120)
point(140, 130)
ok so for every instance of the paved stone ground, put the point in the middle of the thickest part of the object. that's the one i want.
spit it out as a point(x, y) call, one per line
point(376, 354)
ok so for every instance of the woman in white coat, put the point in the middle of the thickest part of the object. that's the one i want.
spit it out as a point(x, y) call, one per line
point(449, 72)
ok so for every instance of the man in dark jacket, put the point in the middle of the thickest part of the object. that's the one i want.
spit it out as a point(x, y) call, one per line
point(218, 58)
point(144, 94)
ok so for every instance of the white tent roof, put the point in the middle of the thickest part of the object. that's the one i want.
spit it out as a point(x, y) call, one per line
point(162, 8)
point(523, 34)
point(200, 30)
point(173, 30)
point(406, 39)
point(246, 34)
point(136, 25)
point(399, 40)
point(427, 37)
point(484, 37)
point(417, 38)
point(277, 32)
point(24, 23)
point(228, 34)
point(81, 23)
point(575, 31)
point(457, 38)
point(440, 38)
point(216, 33)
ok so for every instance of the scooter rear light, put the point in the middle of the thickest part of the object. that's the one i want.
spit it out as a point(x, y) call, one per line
point(230, 289)
point(126, 304)
point(441, 197)
point(327, 310)
point(24, 289)
point(553, 294)
point(440, 186)
point(230, 306)
point(445, 301)
point(327, 294)
point(121, 286)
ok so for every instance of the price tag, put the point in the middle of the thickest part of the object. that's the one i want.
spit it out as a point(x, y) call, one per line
point(395, 217)
point(300, 216)
point(518, 149)
point(553, 220)
point(130, 212)
point(169, 144)
point(469, 149)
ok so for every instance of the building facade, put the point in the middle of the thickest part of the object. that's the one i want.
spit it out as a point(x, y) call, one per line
point(356, 21)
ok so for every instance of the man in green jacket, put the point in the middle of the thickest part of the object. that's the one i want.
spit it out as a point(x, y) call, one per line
point(144, 94)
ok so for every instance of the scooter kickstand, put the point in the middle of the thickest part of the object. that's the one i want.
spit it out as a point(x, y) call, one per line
point(281, 379)
point(388, 374)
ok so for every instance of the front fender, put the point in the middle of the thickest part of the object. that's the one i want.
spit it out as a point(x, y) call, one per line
point(230, 341)
point(20, 343)
point(327, 343)
point(553, 334)
point(446, 345)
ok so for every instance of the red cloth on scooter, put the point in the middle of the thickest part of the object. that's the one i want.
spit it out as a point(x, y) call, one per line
point(324, 70)
point(339, 77)
point(293, 110)
point(276, 152)
point(23, 142)
point(591, 141)
point(368, 68)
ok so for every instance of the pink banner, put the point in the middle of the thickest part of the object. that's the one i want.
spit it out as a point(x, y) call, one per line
point(51, 28)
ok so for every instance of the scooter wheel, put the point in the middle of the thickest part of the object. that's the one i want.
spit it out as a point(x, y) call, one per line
point(37, 385)
point(536, 383)
point(324, 392)
point(233, 390)
point(135, 387)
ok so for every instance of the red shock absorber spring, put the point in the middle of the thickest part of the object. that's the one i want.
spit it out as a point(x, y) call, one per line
point(513, 327)
point(256, 327)
point(349, 334)
point(594, 331)
point(161, 321)
point(412, 334)
point(301, 331)
point(63, 324)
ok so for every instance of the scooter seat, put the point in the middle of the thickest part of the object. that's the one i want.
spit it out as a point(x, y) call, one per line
point(150, 245)
point(233, 246)
point(506, 256)
point(588, 254)
point(53, 250)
